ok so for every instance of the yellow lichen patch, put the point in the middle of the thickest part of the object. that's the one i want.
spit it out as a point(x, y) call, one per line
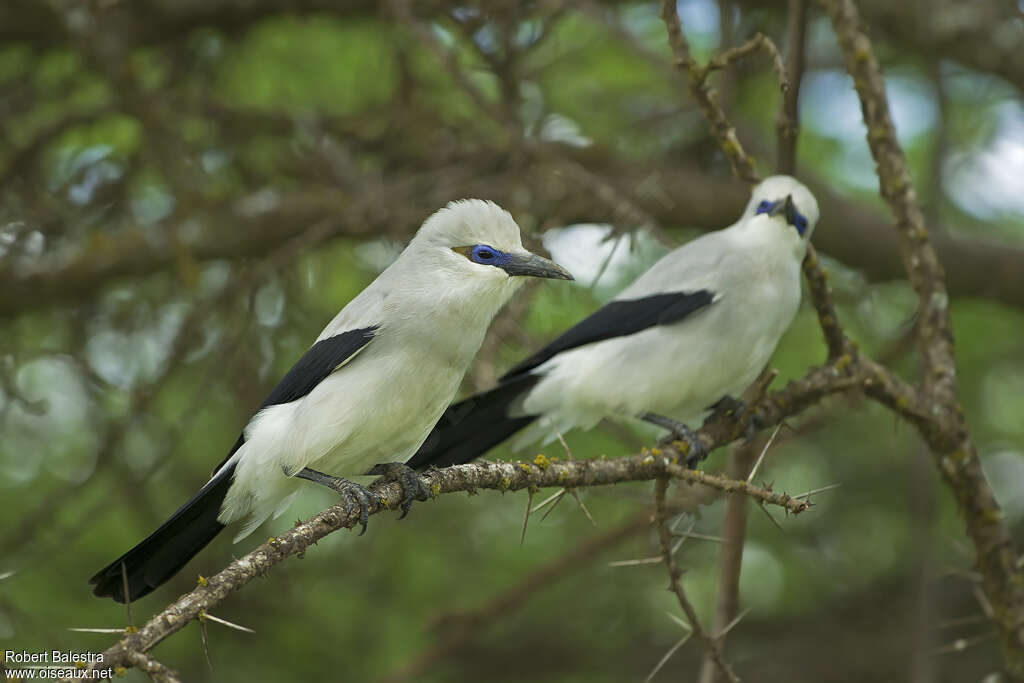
point(435, 489)
point(130, 629)
point(993, 514)
point(120, 671)
point(542, 461)
point(960, 455)
point(524, 467)
point(655, 451)
point(504, 484)
point(562, 475)
point(843, 362)
point(648, 459)
point(202, 580)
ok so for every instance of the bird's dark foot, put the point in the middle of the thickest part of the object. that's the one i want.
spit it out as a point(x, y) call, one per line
point(695, 451)
point(407, 478)
point(733, 407)
point(740, 413)
point(354, 495)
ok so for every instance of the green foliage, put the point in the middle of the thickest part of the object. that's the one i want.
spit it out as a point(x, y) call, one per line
point(129, 425)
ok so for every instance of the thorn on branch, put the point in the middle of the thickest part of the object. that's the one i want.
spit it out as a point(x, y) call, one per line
point(665, 540)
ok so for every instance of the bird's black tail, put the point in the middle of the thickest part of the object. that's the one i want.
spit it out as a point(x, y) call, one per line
point(472, 427)
point(166, 550)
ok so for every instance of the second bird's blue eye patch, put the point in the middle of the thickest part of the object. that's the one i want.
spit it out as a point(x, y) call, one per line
point(786, 208)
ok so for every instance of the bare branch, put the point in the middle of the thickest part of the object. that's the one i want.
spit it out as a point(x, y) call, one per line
point(944, 427)
point(721, 128)
point(675, 585)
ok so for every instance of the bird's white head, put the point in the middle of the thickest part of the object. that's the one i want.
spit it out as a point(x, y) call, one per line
point(788, 201)
point(477, 240)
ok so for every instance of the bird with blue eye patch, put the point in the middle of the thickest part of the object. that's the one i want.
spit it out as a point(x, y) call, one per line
point(486, 255)
point(784, 207)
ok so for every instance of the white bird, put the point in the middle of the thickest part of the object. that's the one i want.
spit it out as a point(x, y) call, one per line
point(691, 333)
point(367, 392)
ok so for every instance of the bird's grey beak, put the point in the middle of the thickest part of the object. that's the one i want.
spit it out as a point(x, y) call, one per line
point(534, 266)
point(785, 208)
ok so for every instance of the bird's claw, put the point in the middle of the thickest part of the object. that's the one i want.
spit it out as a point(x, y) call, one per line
point(358, 497)
point(696, 450)
point(407, 479)
point(352, 494)
point(739, 411)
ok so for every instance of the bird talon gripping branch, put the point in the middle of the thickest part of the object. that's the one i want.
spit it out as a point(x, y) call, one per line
point(407, 479)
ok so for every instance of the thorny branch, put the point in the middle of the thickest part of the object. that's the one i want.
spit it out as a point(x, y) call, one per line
point(675, 585)
point(542, 472)
point(945, 429)
point(933, 404)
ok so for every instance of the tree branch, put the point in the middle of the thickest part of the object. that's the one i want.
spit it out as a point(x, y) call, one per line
point(714, 647)
point(542, 472)
point(945, 429)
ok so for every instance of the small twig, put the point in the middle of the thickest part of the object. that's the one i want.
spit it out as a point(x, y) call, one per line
point(764, 451)
point(676, 586)
point(961, 644)
point(526, 517)
point(668, 655)
point(723, 131)
point(204, 639)
point(788, 122)
point(772, 519)
point(732, 624)
point(225, 622)
point(758, 41)
point(814, 492)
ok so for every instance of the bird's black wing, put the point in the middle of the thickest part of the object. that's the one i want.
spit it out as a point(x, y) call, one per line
point(617, 319)
point(323, 358)
point(165, 551)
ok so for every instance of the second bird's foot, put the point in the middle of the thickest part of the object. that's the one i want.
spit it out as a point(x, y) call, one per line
point(355, 495)
point(405, 477)
point(733, 407)
point(739, 412)
point(696, 450)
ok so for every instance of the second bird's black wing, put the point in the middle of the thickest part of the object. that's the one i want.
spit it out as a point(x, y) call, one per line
point(618, 319)
point(472, 427)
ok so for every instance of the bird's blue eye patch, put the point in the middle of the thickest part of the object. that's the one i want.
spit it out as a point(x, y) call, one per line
point(800, 223)
point(785, 208)
point(483, 254)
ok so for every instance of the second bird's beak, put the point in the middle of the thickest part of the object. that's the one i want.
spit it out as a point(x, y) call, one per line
point(534, 266)
point(785, 208)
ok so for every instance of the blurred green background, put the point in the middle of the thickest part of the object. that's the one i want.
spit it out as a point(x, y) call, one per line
point(190, 190)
